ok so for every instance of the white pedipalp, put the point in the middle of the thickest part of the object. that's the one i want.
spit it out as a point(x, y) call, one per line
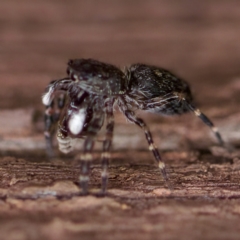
point(47, 97)
point(76, 121)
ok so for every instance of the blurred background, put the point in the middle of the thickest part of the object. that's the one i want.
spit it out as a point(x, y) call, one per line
point(198, 40)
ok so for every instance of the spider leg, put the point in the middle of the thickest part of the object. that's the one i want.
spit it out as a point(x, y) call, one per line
point(138, 121)
point(86, 159)
point(66, 145)
point(49, 121)
point(53, 88)
point(107, 144)
point(51, 116)
point(60, 105)
point(207, 121)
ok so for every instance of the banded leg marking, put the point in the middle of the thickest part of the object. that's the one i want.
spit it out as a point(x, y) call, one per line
point(51, 117)
point(208, 122)
point(86, 159)
point(49, 121)
point(138, 121)
point(106, 146)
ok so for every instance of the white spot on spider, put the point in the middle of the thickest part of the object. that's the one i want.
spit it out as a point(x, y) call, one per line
point(76, 122)
point(75, 77)
point(47, 97)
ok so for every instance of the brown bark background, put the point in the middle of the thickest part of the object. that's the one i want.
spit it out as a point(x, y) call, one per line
point(198, 40)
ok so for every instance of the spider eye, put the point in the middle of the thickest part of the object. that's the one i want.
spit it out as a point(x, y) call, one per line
point(71, 74)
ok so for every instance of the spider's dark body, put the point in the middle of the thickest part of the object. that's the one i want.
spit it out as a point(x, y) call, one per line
point(158, 89)
point(92, 88)
point(97, 77)
point(93, 85)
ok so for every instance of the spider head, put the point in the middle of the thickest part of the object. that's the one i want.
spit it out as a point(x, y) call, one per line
point(97, 77)
point(72, 71)
point(86, 69)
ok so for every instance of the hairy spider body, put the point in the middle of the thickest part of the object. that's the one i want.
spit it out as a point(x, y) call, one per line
point(158, 90)
point(91, 90)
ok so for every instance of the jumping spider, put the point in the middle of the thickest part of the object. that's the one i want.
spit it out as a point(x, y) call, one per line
point(91, 90)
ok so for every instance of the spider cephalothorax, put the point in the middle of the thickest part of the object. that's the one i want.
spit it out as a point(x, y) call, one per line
point(91, 90)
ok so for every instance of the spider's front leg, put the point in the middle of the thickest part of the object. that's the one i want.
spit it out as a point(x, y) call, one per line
point(91, 127)
point(86, 159)
point(70, 127)
point(51, 116)
point(48, 131)
point(61, 100)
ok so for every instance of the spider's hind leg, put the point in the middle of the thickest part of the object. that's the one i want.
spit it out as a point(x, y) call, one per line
point(207, 121)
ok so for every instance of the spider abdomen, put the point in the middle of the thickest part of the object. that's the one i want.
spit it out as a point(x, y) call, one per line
point(159, 90)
